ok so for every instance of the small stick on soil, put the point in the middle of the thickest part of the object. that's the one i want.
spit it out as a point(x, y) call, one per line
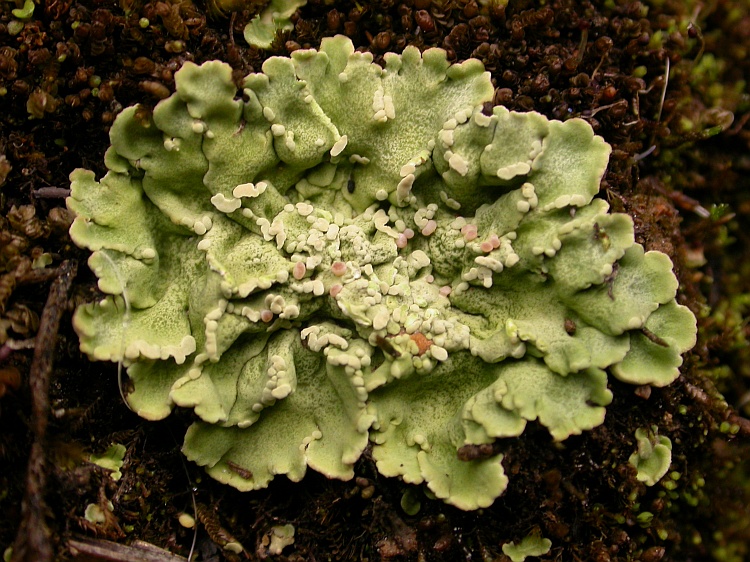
point(95, 550)
point(37, 276)
point(51, 193)
point(33, 542)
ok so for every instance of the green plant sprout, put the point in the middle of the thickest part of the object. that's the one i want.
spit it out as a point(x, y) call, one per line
point(347, 255)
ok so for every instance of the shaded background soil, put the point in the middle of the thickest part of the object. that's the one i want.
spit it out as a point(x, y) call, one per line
point(664, 82)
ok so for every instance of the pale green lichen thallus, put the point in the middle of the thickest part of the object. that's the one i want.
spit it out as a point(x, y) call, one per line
point(344, 254)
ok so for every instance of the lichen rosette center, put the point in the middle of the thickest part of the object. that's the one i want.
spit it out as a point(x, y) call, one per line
point(343, 254)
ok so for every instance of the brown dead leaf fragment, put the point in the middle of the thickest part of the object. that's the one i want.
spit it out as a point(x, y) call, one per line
point(10, 380)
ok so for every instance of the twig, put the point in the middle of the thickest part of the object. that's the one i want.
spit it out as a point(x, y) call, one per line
point(94, 550)
point(51, 192)
point(33, 542)
point(35, 276)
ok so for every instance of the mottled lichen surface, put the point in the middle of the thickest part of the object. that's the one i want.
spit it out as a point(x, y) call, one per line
point(346, 254)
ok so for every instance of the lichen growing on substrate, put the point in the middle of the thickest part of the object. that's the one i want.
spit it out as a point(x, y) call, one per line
point(533, 545)
point(348, 254)
point(261, 31)
point(652, 457)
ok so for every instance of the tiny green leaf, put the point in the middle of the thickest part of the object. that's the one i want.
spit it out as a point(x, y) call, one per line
point(26, 12)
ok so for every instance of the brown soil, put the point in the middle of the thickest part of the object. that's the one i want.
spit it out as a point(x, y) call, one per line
point(679, 167)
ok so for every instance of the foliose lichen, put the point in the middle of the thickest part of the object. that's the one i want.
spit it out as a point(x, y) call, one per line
point(532, 545)
point(276, 17)
point(347, 255)
point(652, 456)
point(112, 459)
point(281, 536)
